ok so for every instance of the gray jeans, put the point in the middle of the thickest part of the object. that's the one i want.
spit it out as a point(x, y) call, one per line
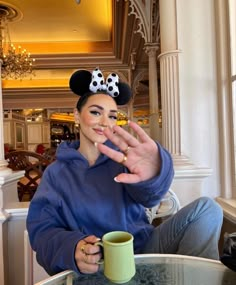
point(194, 230)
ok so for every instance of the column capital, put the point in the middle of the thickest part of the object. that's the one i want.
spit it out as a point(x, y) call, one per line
point(151, 48)
point(169, 53)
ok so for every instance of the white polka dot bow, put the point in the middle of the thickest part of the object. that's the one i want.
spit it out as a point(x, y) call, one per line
point(98, 83)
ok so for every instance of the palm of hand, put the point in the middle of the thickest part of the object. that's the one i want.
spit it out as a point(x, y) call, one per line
point(142, 155)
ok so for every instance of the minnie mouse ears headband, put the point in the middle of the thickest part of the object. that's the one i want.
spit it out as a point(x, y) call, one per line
point(82, 82)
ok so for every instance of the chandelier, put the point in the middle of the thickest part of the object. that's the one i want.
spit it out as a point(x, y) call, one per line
point(16, 63)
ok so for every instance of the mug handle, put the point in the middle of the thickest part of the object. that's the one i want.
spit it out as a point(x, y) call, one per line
point(100, 243)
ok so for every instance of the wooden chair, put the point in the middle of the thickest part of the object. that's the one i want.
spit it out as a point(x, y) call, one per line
point(34, 164)
point(50, 153)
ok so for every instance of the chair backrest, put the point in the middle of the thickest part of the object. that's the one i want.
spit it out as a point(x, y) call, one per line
point(168, 206)
point(50, 153)
point(33, 164)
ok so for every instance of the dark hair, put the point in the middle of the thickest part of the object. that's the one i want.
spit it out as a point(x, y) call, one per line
point(83, 99)
point(80, 84)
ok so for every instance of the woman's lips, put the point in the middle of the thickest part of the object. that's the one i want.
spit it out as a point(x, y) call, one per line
point(99, 131)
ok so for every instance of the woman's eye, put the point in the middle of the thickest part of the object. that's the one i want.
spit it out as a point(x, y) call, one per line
point(95, 113)
point(113, 117)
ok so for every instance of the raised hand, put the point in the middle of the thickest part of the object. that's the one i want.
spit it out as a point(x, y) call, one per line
point(139, 153)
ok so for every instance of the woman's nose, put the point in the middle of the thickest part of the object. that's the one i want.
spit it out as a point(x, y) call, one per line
point(104, 122)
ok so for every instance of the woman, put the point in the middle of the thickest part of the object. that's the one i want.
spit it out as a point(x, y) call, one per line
point(104, 181)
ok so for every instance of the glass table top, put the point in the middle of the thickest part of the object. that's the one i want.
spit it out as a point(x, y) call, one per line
point(158, 269)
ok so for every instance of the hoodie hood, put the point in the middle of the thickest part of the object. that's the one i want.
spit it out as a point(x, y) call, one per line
point(68, 151)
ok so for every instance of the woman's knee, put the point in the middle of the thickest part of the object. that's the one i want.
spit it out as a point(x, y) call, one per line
point(212, 207)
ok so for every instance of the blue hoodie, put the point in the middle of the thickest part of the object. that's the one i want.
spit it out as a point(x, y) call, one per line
point(75, 200)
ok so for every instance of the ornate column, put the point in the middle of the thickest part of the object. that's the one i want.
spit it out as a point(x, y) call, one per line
point(4, 170)
point(148, 18)
point(185, 170)
point(8, 194)
point(4, 216)
point(169, 63)
point(169, 73)
point(155, 131)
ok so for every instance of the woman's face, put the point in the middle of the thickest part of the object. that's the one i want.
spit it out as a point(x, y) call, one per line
point(98, 113)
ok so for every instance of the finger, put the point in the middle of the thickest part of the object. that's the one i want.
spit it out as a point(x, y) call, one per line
point(91, 249)
point(87, 268)
point(113, 154)
point(92, 258)
point(127, 178)
point(142, 135)
point(91, 239)
point(86, 264)
point(121, 138)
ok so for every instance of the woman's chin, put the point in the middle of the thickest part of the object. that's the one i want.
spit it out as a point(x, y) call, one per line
point(101, 140)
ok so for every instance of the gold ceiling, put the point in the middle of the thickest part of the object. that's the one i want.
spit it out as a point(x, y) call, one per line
point(64, 36)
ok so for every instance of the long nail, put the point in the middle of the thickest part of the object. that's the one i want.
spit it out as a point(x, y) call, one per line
point(115, 178)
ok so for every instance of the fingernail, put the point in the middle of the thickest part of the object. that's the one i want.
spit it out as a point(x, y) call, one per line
point(96, 144)
point(116, 180)
point(98, 239)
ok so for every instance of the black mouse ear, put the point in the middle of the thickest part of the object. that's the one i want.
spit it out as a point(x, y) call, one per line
point(79, 82)
point(83, 82)
point(125, 94)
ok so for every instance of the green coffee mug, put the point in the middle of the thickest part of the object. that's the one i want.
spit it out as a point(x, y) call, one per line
point(119, 264)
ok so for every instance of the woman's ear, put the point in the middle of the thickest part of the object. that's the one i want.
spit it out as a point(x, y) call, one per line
point(76, 116)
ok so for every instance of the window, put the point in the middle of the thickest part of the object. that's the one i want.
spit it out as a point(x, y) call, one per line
point(226, 71)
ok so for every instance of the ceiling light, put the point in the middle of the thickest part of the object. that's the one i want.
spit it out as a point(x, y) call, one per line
point(16, 63)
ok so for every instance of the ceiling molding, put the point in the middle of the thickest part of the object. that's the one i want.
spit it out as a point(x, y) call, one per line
point(56, 61)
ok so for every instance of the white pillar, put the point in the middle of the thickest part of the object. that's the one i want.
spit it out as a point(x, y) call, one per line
point(169, 73)
point(4, 216)
point(4, 170)
point(6, 175)
point(185, 170)
point(170, 102)
point(155, 131)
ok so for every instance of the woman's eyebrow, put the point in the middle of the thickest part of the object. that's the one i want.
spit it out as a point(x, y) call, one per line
point(101, 108)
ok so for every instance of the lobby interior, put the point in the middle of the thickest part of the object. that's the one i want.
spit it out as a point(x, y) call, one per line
point(175, 56)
